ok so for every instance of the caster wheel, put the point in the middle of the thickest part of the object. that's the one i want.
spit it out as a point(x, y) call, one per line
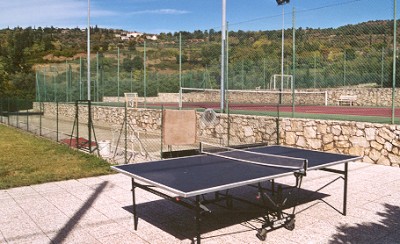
point(290, 225)
point(262, 234)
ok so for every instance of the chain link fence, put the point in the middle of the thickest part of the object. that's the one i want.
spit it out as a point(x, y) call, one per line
point(293, 67)
point(126, 134)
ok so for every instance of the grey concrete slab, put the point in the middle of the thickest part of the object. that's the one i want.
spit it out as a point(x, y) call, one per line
point(97, 210)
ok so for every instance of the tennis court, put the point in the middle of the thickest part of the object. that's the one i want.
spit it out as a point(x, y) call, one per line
point(310, 109)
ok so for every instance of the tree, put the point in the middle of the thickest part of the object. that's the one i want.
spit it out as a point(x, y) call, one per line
point(138, 63)
point(209, 53)
point(128, 64)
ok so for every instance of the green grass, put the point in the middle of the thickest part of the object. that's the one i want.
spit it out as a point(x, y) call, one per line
point(26, 160)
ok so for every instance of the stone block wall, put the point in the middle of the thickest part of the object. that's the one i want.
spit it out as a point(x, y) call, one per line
point(365, 97)
point(161, 98)
point(376, 143)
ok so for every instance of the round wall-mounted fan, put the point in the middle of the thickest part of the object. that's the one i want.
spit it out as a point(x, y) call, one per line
point(209, 117)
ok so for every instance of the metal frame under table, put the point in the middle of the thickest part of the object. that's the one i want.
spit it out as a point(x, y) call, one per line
point(186, 180)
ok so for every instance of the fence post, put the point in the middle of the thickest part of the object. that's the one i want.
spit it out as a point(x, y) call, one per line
point(8, 111)
point(57, 120)
point(394, 60)
point(17, 108)
point(40, 118)
point(27, 115)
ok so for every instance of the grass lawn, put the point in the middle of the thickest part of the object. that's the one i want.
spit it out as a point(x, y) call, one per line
point(26, 160)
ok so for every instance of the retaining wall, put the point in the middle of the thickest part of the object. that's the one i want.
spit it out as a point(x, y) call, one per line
point(376, 143)
point(365, 97)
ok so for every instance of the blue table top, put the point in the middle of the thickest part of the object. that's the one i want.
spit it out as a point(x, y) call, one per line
point(200, 174)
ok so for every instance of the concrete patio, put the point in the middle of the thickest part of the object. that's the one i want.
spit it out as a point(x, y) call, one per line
point(96, 210)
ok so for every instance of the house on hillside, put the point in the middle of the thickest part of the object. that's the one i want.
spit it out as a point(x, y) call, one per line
point(134, 34)
point(152, 37)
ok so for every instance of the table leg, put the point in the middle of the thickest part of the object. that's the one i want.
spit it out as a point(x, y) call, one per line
point(135, 217)
point(198, 219)
point(346, 168)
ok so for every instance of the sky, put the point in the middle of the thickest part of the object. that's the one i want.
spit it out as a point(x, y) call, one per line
point(156, 16)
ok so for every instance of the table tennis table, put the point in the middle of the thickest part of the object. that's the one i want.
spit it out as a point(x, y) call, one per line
point(185, 180)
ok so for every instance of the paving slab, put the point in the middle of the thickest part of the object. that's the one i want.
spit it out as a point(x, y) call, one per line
point(97, 210)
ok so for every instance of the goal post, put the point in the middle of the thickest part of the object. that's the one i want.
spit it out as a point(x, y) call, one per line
point(282, 82)
point(131, 100)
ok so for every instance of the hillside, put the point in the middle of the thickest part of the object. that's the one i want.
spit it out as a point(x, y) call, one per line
point(25, 51)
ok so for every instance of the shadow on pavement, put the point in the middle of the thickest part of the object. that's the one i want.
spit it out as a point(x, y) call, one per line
point(371, 232)
point(180, 222)
point(68, 227)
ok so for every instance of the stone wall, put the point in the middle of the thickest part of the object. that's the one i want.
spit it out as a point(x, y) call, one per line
point(161, 98)
point(148, 119)
point(379, 97)
point(376, 143)
point(365, 97)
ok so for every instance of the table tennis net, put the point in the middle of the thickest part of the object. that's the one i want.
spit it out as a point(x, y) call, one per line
point(259, 158)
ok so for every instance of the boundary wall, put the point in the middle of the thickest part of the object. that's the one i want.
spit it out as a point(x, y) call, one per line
point(376, 143)
point(373, 97)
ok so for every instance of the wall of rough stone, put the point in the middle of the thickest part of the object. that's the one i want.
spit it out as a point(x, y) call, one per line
point(148, 119)
point(376, 143)
point(162, 97)
point(365, 97)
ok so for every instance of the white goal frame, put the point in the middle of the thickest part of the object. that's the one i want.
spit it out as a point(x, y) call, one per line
point(281, 80)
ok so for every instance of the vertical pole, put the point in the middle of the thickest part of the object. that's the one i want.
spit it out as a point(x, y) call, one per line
point(294, 62)
point(57, 119)
point(57, 87)
point(223, 32)
point(144, 75)
point(135, 217)
point(198, 219)
point(88, 53)
point(382, 66)
point(180, 70)
point(394, 59)
point(126, 132)
point(97, 77)
point(315, 70)
point(80, 78)
point(118, 72)
point(242, 75)
point(344, 67)
point(70, 83)
point(90, 125)
point(44, 84)
point(40, 118)
point(227, 86)
point(27, 116)
point(54, 88)
point(264, 73)
point(66, 80)
point(346, 169)
point(77, 123)
point(283, 53)
point(37, 87)
point(227, 68)
point(162, 131)
point(8, 111)
point(17, 107)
